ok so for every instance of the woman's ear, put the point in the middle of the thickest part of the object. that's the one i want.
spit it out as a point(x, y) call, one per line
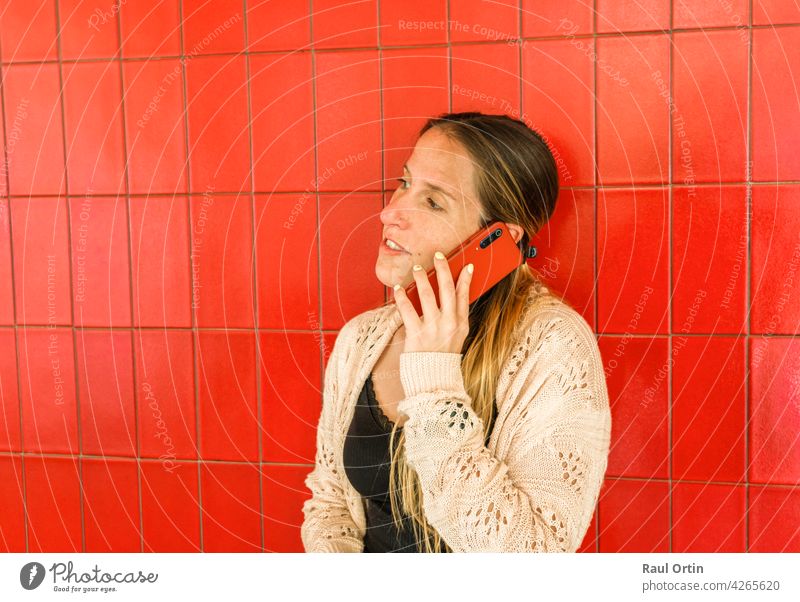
point(516, 232)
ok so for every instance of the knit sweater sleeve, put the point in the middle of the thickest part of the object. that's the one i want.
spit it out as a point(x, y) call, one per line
point(327, 524)
point(541, 495)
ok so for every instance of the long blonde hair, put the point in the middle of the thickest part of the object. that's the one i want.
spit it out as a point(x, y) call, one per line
point(517, 182)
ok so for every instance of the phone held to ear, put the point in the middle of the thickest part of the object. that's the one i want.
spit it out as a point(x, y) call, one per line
point(494, 255)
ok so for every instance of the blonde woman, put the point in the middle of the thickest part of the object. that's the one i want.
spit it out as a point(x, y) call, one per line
point(478, 427)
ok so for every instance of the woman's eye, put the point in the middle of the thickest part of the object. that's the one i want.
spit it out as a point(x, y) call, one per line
point(433, 205)
point(431, 202)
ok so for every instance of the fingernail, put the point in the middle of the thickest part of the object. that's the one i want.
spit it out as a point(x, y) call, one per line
point(439, 255)
point(417, 267)
point(396, 286)
point(470, 268)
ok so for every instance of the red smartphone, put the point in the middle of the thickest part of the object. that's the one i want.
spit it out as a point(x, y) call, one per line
point(493, 253)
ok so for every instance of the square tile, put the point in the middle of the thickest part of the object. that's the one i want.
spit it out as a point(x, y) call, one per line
point(170, 507)
point(219, 139)
point(483, 20)
point(709, 259)
point(415, 84)
point(7, 292)
point(565, 251)
point(291, 386)
point(284, 494)
point(222, 261)
point(774, 515)
point(212, 27)
point(150, 29)
point(635, 372)
point(350, 232)
point(568, 17)
point(53, 494)
point(559, 103)
point(10, 432)
point(633, 117)
point(708, 410)
point(696, 13)
point(634, 516)
point(774, 410)
point(47, 390)
point(344, 23)
point(155, 126)
point(643, 15)
point(776, 120)
point(226, 365)
point(633, 260)
point(160, 270)
point(408, 23)
point(41, 261)
point(89, 29)
point(774, 263)
point(231, 507)
point(287, 237)
point(105, 387)
point(12, 519)
point(111, 505)
point(283, 121)
point(485, 78)
point(101, 289)
point(348, 114)
point(709, 123)
point(708, 518)
point(767, 12)
point(32, 95)
point(278, 25)
point(94, 129)
point(28, 31)
point(167, 416)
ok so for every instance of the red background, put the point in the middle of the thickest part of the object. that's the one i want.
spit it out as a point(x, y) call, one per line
point(154, 157)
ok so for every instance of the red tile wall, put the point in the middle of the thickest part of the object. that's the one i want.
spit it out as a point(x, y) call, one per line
point(189, 196)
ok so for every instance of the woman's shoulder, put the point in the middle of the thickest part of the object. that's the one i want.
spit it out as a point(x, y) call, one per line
point(547, 310)
point(551, 332)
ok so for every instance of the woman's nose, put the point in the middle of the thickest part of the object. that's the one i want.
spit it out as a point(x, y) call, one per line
point(395, 211)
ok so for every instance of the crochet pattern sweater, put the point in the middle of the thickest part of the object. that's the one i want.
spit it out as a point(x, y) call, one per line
point(532, 489)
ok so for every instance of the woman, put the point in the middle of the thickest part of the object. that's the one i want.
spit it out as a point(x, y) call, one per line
point(481, 427)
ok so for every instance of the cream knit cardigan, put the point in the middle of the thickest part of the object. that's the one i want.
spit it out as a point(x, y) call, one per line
point(532, 489)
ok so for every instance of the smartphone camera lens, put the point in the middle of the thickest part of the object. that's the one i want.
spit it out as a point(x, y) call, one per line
point(491, 238)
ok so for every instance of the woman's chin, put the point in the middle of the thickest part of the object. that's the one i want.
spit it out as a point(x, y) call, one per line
point(388, 276)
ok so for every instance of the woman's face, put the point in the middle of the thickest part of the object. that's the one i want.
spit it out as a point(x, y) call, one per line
point(434, 208)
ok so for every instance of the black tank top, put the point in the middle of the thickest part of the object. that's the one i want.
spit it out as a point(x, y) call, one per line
point(366, 463)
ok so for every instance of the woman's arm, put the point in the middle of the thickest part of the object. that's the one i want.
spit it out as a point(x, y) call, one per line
point(542, 496)
point(327, 524)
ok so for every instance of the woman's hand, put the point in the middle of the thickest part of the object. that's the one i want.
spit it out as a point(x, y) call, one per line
point(439, 329)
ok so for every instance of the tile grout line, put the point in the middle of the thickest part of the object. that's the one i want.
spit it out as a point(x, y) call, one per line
point(132, 337)
point(14, 309)
point(749, 267)
point(335, 49)
point(154, 460)
point(595, 187)
point(611, 186)
point(645, 335)
point(314, 133)
point(671, 298)
point(71, 328)
point(380, 49)
point(254, 280)
point(192, 315)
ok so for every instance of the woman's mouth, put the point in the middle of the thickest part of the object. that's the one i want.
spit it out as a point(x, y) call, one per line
point(385, 248)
